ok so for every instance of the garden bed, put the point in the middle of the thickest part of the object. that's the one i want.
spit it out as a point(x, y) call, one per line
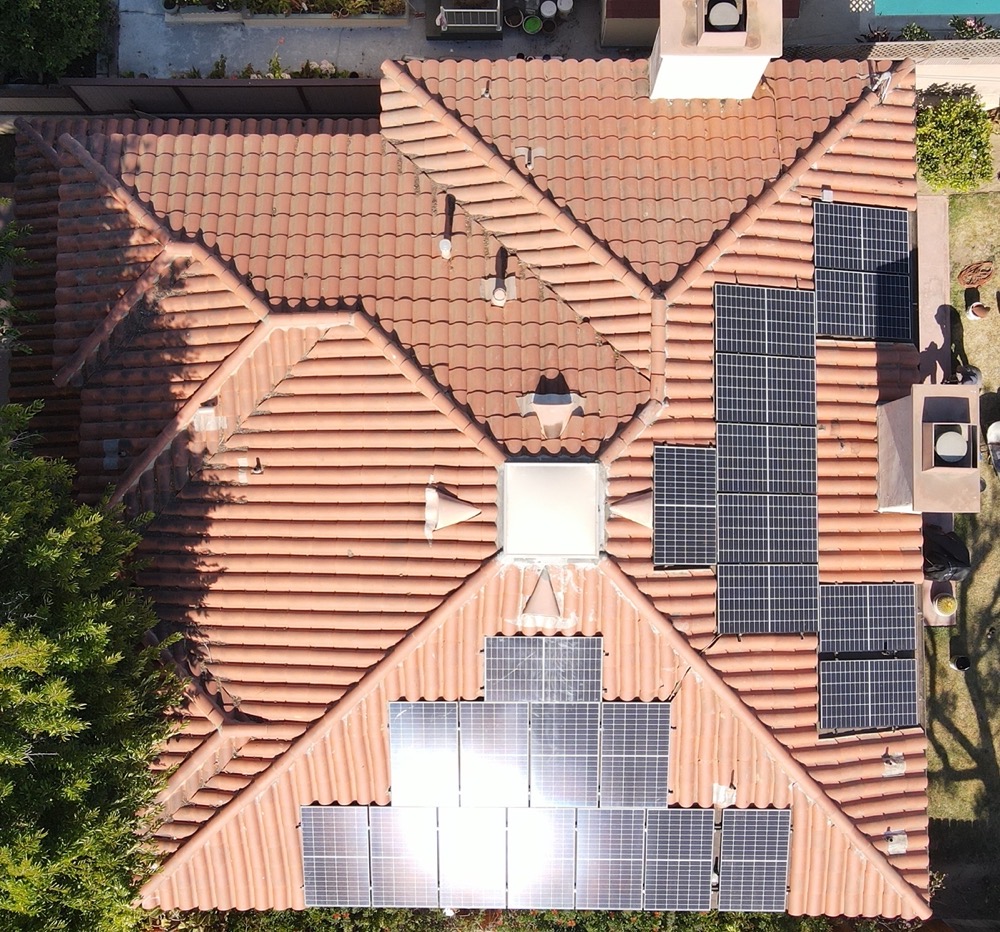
point(313, 13)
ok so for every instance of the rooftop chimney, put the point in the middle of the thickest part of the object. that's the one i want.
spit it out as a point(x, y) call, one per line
point(928, 451)
point(713, 49)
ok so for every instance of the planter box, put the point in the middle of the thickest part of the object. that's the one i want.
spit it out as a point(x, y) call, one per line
point(190, 16)
point(323, 20)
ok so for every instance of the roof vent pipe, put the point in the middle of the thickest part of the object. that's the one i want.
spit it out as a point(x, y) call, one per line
point(444, 244)
point(500, 291)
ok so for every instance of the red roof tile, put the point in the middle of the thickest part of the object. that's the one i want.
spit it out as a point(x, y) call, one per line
point(257, 337)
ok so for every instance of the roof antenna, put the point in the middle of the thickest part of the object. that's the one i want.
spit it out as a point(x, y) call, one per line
point(444, 244)
point(500, 290)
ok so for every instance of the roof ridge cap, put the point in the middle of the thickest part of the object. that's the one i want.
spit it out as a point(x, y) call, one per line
point(783, 757)
point(785, 182)
point(321, 726)
point(228, 367)
point(506, 172)
point(173, 248)
point(425, 383)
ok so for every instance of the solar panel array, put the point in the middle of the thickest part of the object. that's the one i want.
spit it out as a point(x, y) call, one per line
point(549, 804)
point(862, 259)
point(518, 858)
point(765, 400)
point(684, 508)
point(867, 663)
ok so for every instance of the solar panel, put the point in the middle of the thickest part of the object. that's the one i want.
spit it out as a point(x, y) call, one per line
point(423, 753)
point(335, 855)
point(493, 753)
point(572, 669)
point(766, 458)
point(404, 856)
point(679, 859)
point(867, 695)
point(544, 669)
point(609, 858)
point(635, 744)
point(684, 509)
point(765, 390)
point(564, 742)
point(473, 858)
point(867, 618)
point(753, 875)
point(513, 668)
point(541, 858)
point(869, 239)
point(767, 528)
point(864, 305)
point(767, 598)
point(765, 321)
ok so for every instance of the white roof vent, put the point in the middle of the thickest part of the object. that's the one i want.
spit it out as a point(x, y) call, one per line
point(542, 608)
point(552, 410)
point(552, 511)
point(442, 509)
point(637, 507)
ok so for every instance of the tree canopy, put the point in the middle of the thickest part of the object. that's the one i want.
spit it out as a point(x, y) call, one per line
point(82, 701)
point(44, 36)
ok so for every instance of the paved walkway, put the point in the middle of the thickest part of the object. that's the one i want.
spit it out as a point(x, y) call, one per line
point(159, 46)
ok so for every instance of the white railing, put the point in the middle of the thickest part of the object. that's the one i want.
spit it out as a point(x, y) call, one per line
point(483, 18)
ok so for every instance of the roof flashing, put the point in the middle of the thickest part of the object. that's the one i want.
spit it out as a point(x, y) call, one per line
point(552, 511)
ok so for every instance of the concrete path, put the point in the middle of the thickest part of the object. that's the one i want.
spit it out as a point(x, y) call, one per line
point(159, 46)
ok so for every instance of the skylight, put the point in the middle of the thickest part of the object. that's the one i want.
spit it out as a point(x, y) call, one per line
point(552, 511)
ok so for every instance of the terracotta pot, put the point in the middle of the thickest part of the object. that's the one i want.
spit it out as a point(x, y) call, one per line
point(976, 311)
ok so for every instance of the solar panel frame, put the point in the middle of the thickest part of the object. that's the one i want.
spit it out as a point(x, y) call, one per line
point(564, 743)
point(857, 238)
point(756, 528)
point(678, 860)
point(864, 305)
point(609, 858)
point(753, 867)
point(423, 753)
point(765, 390)
point(543, 668)
point(634, 754)
point(684, 506)
point(404, 856)
point(868, 695)
point(776, 459)
point(335, 855)
point(472, 858)
point(513, 669)
point(868, 618)
point(541, 858)
point(764, 321)
point(572, 669)
point(767, 598)
point(493, 753)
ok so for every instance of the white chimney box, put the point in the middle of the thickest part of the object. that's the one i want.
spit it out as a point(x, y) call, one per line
point(713, 49)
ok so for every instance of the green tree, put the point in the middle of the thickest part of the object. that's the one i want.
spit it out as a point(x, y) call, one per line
point(82, 701)
point(41, 37)
point(953, 139)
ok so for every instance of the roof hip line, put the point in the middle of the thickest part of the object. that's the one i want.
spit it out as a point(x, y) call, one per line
point(173, 248)
point(343, 706)
point(784, 183)
point(806, 783)
point(598, 252)
point(257, 337)
point(428, 386)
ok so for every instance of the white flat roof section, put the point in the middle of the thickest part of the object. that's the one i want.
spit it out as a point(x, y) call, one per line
point(552, 511)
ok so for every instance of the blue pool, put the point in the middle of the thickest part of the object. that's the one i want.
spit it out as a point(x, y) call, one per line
point(914, 8)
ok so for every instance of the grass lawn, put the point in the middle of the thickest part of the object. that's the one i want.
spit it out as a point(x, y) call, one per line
point(964, 709)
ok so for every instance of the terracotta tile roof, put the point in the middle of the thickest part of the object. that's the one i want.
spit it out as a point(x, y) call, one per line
point(254, 335)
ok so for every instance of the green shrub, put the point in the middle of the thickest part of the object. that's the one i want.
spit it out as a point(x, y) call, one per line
point(914, 32)
point(953, 141)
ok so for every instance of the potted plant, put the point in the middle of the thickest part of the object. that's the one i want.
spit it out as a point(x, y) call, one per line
point(945, 604)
